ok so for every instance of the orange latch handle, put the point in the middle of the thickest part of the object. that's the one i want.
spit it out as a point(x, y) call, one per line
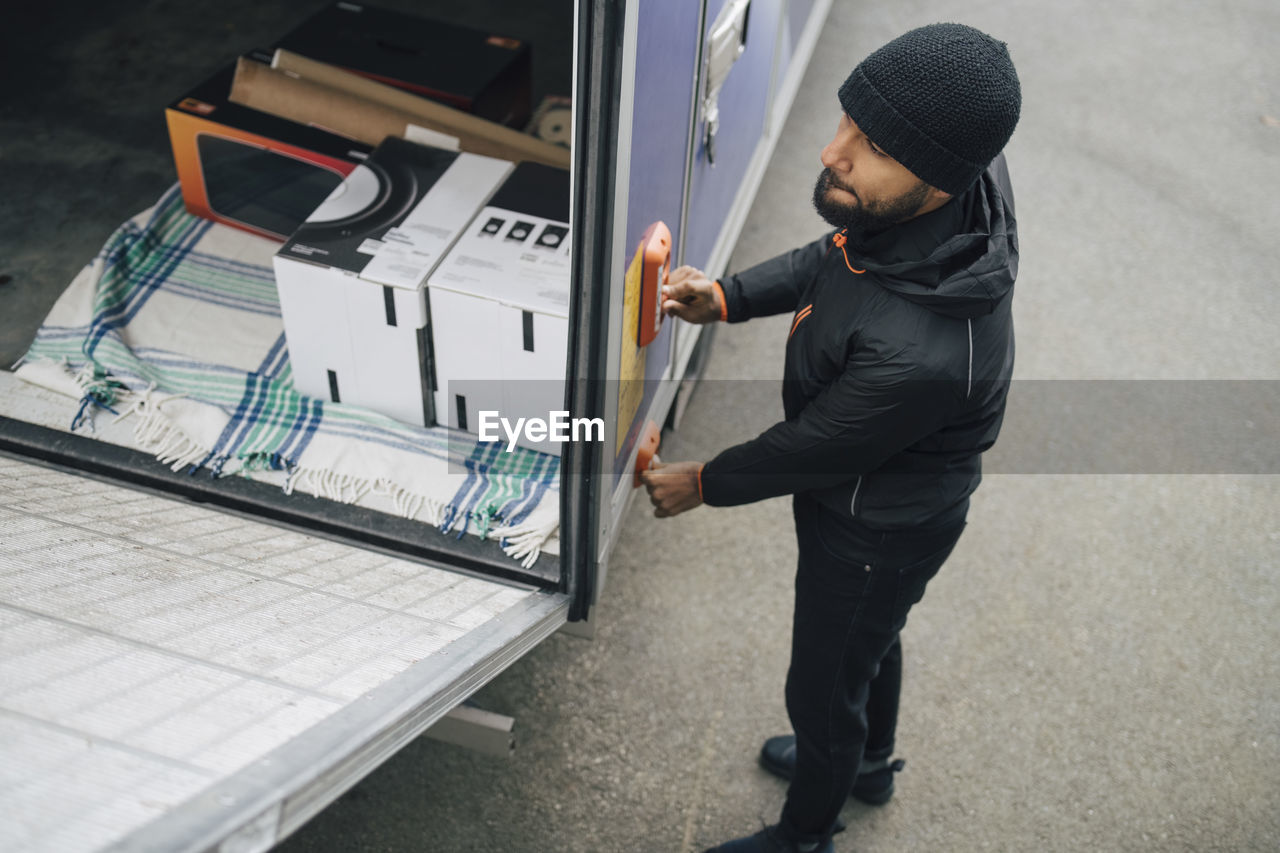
point(647, 452)
point(655, 249)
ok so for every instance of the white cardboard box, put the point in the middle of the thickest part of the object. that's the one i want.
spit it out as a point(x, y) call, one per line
point(352, 278)
point(500, 307)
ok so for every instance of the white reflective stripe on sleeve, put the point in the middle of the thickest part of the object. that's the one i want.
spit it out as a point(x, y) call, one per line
point(969, 389)
point(853, 501)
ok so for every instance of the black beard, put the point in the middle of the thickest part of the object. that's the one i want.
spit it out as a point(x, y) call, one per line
point(861, 219)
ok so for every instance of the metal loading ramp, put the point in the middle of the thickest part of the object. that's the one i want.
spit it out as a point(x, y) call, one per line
point(177, 678)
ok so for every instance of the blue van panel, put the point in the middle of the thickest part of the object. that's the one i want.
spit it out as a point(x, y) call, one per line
point(743, 101)
point(666, 67)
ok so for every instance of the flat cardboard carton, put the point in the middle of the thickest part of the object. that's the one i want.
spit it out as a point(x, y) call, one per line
point(309, 92)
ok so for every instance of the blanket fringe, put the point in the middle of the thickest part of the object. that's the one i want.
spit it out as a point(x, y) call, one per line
point(347, 488)
point(98, 390)
point(157, 434)
point(524, 542)
point(411, 504)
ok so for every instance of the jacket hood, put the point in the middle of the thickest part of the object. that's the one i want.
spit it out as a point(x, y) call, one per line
point(961, 259)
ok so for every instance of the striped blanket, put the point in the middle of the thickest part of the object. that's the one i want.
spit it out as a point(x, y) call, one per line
point(176, 324)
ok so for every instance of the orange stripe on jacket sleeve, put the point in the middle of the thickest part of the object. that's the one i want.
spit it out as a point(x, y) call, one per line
point(804, 312)
point(700, 467)
point(724, 303)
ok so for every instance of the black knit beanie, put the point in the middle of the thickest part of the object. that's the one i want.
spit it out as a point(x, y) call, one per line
point(942, 100)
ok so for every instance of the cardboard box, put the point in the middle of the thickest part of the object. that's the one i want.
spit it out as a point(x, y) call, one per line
point(250, 169)
point(352, 277)
point(314, 93)
point(500, 307)
point(484, 73)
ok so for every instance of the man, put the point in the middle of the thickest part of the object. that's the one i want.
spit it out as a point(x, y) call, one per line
point(897, 366)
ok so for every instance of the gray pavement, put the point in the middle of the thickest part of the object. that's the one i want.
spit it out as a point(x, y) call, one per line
point(1096, 668)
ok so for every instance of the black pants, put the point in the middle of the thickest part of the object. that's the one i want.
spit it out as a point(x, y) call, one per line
point(854, 586)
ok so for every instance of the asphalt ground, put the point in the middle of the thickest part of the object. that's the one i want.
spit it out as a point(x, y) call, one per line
point(1096, 667)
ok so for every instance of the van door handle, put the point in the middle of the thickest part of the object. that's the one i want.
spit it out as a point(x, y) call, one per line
point(726, 41)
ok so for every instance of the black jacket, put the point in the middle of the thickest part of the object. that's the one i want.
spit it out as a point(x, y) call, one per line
point(896, 377)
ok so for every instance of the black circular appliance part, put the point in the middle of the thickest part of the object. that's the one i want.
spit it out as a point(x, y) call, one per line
point(397, 194)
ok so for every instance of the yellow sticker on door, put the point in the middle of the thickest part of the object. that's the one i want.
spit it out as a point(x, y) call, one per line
point(631, 369)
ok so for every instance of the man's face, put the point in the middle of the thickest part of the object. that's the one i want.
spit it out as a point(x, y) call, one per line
point(865, 190)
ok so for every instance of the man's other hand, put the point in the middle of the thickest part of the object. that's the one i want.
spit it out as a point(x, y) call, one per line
point(673, 487)
point(691, 296)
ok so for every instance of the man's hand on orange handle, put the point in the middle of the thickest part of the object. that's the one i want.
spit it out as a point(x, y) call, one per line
point(672, 487)
point(691, 296)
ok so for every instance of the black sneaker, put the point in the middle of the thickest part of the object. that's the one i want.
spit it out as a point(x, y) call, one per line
point(873, 787)
point(773, 839)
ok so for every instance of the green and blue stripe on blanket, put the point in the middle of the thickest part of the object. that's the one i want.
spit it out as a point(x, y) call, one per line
point(177, 323)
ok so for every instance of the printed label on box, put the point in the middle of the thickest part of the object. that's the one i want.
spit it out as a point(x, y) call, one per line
point(513, 258)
